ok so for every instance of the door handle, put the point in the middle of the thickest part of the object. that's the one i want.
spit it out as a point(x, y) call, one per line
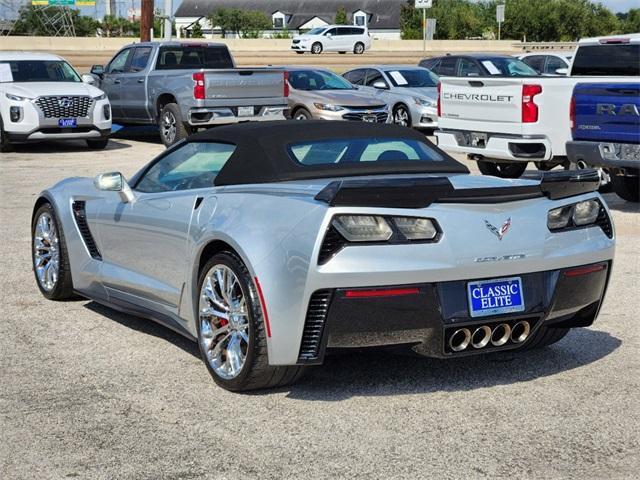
point(116, 81)
point(141, 80)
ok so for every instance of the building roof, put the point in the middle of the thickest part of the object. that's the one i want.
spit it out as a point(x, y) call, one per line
point(384, 14)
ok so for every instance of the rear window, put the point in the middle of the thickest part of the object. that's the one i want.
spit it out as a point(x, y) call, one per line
point(357, 150)
point(607, 61)
point(193, 57)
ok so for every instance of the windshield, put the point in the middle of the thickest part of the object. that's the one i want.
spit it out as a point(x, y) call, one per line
point(508, 67)
point(41, 71)
point(358, 150)
point(415, 78)
point(316, 31)
point(317, 80)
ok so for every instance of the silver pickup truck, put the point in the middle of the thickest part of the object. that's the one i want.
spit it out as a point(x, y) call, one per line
point(182, 87)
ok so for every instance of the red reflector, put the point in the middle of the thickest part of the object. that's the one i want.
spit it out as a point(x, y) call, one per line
point(285, 93)
point(381, 292)
point(439, 104)
point(576, 272)
point(529, 107)
point(615, 40)
point(572, 113)
point(264, 307)
point(198, 87)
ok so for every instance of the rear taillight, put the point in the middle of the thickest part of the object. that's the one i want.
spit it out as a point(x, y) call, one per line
point(439, 104)
point(529, 107)
point(198, 87)
point(285, 90)
point(572, 113)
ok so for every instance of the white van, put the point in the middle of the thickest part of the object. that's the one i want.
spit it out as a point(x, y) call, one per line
point(333, 38)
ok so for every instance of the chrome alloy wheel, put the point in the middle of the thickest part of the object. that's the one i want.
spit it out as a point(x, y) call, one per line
point(169, 128)
point(224, 322)
point(401, 117)
point(46, 253)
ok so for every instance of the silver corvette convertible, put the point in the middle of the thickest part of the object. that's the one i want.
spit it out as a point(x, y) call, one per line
point(272, 244)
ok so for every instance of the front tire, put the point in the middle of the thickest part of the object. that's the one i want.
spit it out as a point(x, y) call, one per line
point(172, 128)
point(231, 328)
point(502, 170)
point(49, 255)
point(358, 48)
point(98, 144)
point(627, 187)
point(316, 48)
point(302, 114)
point(5, 144)
point(401, 116)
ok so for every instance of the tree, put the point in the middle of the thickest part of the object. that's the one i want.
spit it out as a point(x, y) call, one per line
point(196, 31)
point(630, 23)
point(246, 23)
point(341, 16)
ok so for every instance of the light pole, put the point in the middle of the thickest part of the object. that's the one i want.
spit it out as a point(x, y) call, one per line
point(168, 14)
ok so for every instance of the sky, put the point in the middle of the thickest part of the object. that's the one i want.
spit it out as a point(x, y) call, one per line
point(124, 5)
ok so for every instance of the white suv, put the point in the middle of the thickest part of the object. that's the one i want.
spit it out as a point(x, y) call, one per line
point(43, 98)
point(333, 38)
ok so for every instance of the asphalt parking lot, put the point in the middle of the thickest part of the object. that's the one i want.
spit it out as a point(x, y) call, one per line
point(87, 392)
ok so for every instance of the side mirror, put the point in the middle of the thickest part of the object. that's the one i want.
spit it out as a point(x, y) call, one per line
point(114, 182)
point(380, 85)
point(329, 35)
point(562, 71)
point(89, 79)
point(97, 70)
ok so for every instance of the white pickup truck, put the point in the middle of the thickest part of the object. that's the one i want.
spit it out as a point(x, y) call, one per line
point(506, 122)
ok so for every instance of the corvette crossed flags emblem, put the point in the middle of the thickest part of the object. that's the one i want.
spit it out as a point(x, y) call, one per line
point(499, 232)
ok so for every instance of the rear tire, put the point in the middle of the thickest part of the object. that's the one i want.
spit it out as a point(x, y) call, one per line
point(54, 246)
point(546, 336)
point(502, 170)
point(5, 144)
point(172, 128)
point(98, 144)
point(316, 48)
point(255, 372)
point(627, 187)
point(358, 48)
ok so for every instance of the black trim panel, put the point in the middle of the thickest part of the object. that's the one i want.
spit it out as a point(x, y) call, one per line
point(80, 216)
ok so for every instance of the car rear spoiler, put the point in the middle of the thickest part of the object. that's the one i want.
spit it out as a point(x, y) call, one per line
point(422, 192)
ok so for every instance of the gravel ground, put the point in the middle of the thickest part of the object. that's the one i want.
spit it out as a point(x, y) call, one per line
point(87, 392)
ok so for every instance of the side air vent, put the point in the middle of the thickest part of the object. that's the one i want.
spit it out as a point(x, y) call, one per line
point(314, 326)
point(332, 244)
point(80, 216)
point(604, 222)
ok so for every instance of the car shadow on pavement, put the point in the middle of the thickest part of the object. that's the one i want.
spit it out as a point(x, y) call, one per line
point(380, 373)
point(65, 146)
point(618, 204)
point(148, 327)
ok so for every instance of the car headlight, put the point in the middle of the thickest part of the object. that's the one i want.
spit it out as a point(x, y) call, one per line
point(415, 228)
point(425, 102)
point(362, 228)
point(16, 98)
point(577, 215)
point(100, 97)
point(328, 106)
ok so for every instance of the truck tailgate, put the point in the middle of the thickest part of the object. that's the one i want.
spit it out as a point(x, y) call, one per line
point(244, 83)
point(481, 104)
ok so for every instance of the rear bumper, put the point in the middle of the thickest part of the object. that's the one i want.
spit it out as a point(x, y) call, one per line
point(204, 116)
point(512, 148)
point(598, 154)
point(426, 315)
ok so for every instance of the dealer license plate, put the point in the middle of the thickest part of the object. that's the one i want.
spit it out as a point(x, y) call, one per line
point(495, 297)
point(370, 118)
point(245, 111)
point(67, 122)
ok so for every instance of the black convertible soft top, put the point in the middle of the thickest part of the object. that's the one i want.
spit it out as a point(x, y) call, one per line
point(262, 156)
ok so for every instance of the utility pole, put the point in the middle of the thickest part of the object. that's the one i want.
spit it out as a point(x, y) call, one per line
point(146, 20)
point(168, 14)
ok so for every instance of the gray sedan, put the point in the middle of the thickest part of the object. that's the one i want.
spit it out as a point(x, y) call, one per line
point(411, 92)
point(320, 94)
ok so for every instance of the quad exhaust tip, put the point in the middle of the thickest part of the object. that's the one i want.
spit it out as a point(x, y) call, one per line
point(481, 337)
point(500, 335)
point(520, 332)
point(460, 339)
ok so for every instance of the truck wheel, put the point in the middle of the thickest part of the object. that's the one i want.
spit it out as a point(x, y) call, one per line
point(98, 144)
point(627, 187)
point(502, 170)
point(231, 328)
point(5, 144)
point(316, 48)
point(358, 48)
point(172, 128)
